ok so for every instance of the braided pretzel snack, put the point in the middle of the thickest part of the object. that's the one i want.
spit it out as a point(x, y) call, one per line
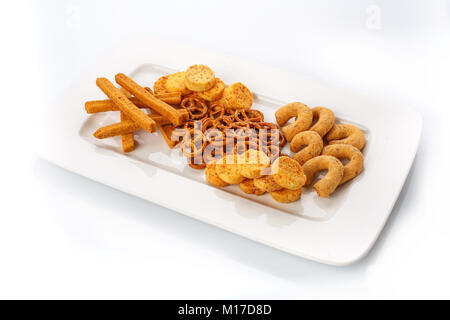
point(303, 119)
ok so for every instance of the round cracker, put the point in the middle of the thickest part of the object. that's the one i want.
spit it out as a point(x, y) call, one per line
point(267, 184)
point(248, 186)
point(255, 161)
point(212, 177)
point(237, 96)
point(199, 78)
point(288, 173)
point(227, 169)
point(160, 85)
point(215, 93)
point(176, 83)
point(286, 195)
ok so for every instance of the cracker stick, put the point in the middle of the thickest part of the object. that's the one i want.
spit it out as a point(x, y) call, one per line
point(177, 117)
point(107, 105)
point(125, 127)
point(126, 92)
point(169, 97)
point(166, 131)
point(126, 106)
point(127, 139)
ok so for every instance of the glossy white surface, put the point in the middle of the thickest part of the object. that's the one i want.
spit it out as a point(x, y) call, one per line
point(65, 236)
point(339, 230)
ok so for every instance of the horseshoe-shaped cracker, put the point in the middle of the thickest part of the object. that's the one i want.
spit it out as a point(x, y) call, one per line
point(303, 119)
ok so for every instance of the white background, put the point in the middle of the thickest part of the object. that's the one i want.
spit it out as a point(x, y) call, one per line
point(64, 236)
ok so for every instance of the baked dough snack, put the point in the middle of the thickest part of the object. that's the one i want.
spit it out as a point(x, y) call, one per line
point(255, 162)
point(219, 132)
point(346, 151)
point(324, 118)
point(267, 184)
point(125, 126)
point(303, 119)
point(212, 177)
point(227, 169)
point(286, 195)
point(346, 134)
point(125, 105)
point(237, 96)
point(248, 186)
point(159, 87)
point(215, 93)
point(199, 78)
point(127, 139)
point(96, 106)
point(307, 145)
point(176, 83)
point(331, 180)
point(288, 173)
point(177, 117)
point(167, 133)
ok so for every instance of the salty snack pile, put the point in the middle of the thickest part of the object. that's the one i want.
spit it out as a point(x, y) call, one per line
point(218, 131)
point(310, 131)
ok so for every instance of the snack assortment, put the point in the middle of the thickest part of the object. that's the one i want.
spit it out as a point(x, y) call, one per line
point(218, 131)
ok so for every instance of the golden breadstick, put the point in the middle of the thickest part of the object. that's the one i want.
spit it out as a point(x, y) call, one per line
point(97, 106)
point(127, 139)
point(124, 127)
point(177, 117)
point(107, 105)
point(125, 105)
point(149, 90)
point(126, 92)
point(117, 129)
point(166, 131)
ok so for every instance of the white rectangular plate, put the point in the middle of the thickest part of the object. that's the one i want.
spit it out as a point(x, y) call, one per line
point(339, 230)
